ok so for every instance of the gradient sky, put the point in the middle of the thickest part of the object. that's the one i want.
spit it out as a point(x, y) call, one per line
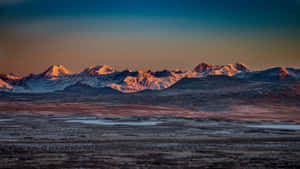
point(147, 34)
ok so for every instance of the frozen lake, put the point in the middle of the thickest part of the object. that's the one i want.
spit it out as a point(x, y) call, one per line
point(288, 127)
point(105, 122)
point(1, 120)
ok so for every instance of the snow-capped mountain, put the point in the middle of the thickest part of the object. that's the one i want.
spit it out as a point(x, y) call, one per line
point(276, 74)
point(58, 78)
point(139, 80)
point(11, 78)
point(55, 71)
point(7, 81)
point(229, 70)
point(5, 85)
point(98, 70)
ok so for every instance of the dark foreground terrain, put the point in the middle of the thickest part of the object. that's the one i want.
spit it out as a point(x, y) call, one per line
point(215, 122)
point(34, 138)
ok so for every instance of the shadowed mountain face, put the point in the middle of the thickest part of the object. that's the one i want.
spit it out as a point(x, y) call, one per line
point(209, 82)
point(57, 78)
point(81, 88)
point(215, 94)
point(277, 74)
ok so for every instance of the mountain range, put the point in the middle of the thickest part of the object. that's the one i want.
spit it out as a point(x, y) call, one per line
point(105, 79)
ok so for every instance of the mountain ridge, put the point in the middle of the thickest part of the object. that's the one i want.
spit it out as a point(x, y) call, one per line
point(56, 70)
point(98, 70)
point(275, 74)
point(57, 77)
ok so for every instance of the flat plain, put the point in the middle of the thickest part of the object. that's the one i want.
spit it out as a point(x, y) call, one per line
point(104, 135)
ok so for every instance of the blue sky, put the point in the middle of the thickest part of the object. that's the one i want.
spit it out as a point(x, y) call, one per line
point(274, 15)
point(145, 34)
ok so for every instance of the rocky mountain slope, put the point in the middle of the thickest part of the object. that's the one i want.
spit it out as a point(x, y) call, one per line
point(58, 78)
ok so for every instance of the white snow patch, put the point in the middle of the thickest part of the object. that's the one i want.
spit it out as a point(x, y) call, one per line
point(289, 127)
point(1, 120)
point(111, 123)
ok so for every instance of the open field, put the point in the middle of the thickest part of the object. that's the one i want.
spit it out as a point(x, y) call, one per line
point(104, 135)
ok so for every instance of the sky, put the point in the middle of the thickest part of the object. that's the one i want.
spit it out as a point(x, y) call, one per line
point(147, 34)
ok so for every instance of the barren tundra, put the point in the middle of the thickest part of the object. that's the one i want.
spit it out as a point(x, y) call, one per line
point(249, 120)
point(103, 135)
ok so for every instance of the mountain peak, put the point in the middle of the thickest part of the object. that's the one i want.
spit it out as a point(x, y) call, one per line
point(9, 76)
point(98, 70)
point(275, 74)
point(229, 70)
point(241, 66)
point(202, 67)
point(282, 69)
point(56, 70)
point(4, 84)
point(283, 73)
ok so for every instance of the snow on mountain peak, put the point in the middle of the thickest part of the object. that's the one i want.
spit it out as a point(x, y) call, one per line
point(5, 85)
point(202, 67)
point(9, 76)
point(56, 70)
point(283, 73)
point(98, 70)
point(241, 67)
point(96, 76)
point(229, 70)
point(283, 70)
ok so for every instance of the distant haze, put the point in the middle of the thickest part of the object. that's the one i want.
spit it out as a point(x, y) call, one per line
point(148, 34)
